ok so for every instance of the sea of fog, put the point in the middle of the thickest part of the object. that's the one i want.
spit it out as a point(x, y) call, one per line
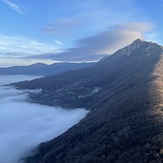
point(24, 125)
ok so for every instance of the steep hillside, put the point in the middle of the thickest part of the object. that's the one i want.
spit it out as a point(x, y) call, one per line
point(43, 69)
point(124, 93)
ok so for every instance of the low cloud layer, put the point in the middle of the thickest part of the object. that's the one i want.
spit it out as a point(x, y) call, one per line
point(24, 125)
point(102, 44)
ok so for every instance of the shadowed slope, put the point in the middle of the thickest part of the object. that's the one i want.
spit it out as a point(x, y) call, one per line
point(125, 123)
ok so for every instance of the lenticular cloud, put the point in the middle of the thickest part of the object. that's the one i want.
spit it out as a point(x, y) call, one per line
point(24, 125)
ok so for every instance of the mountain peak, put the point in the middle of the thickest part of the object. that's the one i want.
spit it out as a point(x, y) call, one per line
point(137, 41)
point(141, 47)
point(39, 64)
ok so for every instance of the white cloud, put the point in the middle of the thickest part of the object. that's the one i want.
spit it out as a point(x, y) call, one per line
point(62, 26)
point(104, 43)
point(13, 6)
point(24, 125)
point(91, 48)
point(16, 47)
point(58, 42)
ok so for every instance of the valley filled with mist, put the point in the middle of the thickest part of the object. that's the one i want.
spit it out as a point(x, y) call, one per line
point(24, 125)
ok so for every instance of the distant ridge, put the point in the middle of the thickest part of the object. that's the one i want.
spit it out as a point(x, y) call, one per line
point(124, 94)
point(43, 69)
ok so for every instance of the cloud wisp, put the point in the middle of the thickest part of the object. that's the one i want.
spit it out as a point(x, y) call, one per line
point(62, 26)
point(17, 47)
point(87, 17)
point(24, 125)
point(105, 43)
point(14, 6)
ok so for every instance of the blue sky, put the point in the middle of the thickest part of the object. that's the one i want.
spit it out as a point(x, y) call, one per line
point(74, 30)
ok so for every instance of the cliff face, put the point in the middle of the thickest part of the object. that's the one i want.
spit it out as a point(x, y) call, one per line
point(126, 119)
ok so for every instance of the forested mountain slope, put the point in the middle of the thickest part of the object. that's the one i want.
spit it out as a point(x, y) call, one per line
point(124, 93)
